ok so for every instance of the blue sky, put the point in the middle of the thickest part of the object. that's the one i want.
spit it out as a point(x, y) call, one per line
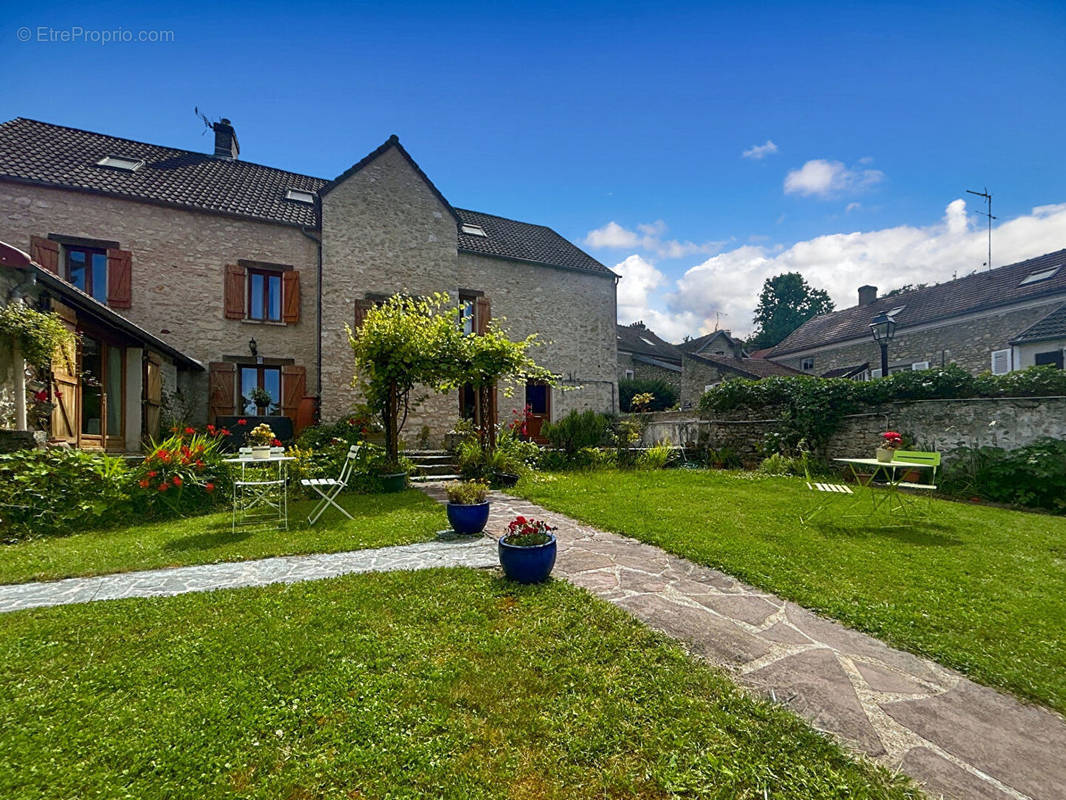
point(578, 115)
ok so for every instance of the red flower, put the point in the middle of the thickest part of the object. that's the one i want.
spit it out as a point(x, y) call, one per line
point(163, 486)
point(177, 480)
point(225, 431)
point(152, 473)
point(199, 464)
point(209, 486)
point(242, 421)
point(143, 483)
point(520, 520)
point(211, 428)
point(40, 396)
point(276, 442)
point(190, 431)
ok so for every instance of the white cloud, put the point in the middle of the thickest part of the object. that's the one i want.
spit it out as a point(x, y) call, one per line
point(760, 151)
point(729, 283)
point(852, 207)
point(638, 279)
point(827, 178)
point(647, 237)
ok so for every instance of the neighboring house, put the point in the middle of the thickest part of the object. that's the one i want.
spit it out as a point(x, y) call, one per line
point(718, 343)
point(991, 320)
point(208, 254)
point(644, 356)
point(701, 371)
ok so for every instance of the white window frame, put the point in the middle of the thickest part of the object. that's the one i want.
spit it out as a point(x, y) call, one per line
point(807, 363)
point(1005, 353)
point(920, 365)
point(629, 374)
point(875, 373)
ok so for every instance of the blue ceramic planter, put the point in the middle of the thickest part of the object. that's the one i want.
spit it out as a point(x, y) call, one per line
point(528, 564)
point(468, 518)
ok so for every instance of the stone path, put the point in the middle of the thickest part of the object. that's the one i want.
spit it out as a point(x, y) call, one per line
point(283, 569)
point(959, 739)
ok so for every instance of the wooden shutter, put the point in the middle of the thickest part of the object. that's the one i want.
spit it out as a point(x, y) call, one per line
point(291, 296)
point(222, 388)
point(119, 278)
point(234, 291)
point(153, 395)
point(293, 389)
point(361, 307)
point(65, 420)
point(482, 315)
point(45, 252)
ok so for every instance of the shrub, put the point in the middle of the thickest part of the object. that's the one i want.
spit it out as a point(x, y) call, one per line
point(578, 430)
point(183, 474)
point(780, 464)
point(1033, 476)
point(468, 493)
point(664, 394)
point(655, 457)
point(60, 491)
point(476, 463)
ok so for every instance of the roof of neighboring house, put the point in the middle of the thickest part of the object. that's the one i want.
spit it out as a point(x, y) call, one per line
point(977, 292)
point(699, 343)
point(1053, 326)
point(70, 294)
point(847, 372)
point(748, 367)
point(762, 352)
point(61, 157)
point(637, 338)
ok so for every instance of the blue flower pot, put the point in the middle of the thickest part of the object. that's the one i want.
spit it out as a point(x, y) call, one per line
point(528, 564)
point(468, 518)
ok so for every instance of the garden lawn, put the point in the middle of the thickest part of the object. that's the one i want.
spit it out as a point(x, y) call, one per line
point(440, 683)
point(979, 589)
point(380, 520)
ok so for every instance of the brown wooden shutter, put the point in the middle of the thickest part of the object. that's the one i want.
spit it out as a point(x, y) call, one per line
point(119, 278)
point(291, 296)
point(293, 388)
point(45, 252)
point(153, 395)
point(222, 388)
point(483, 315)
point(361, 307)
point(65, 420)
point(234, 291)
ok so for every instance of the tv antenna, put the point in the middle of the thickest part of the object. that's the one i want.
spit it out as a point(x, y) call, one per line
point(717, 317)
point(988, 199)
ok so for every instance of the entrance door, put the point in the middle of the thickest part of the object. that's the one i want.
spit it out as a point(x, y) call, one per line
point(538, 401)
point(102, 389)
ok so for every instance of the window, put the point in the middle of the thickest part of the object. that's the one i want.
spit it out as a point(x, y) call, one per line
point(86, 268)
point(260, 377)
point(264, 295)
point(468, 312)
point(808, 364)
point(1051, 359)
point(102, 388)
point(1040, 275)
point(300, 196)
point(875, 373)
point(896, 310)
point(473, 230)
point(918, 365)
point(629, 374)
point(1001, 362)
point(121, 163)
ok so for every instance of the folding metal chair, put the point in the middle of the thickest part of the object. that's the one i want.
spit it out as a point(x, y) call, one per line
point(816, 486)
point(329, 488)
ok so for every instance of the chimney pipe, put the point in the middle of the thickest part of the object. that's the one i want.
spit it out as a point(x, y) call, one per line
point(225, 140)
point(867, 295)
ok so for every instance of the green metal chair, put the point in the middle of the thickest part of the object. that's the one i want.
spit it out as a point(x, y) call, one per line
point(919, 457)
point(820, 487)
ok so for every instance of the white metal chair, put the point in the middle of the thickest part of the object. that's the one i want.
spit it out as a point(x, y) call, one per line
point(329, 488)
point(817, 487)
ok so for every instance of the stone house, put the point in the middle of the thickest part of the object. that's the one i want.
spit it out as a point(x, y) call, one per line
point(251, 273)
point(716, 343)
point(701, 371)
point(996, 320)
point(642, 355)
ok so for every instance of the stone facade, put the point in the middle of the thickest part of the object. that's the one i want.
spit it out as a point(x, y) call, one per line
point(179, 259)
point(643, 371)
point(967, 341)
point(696, 376)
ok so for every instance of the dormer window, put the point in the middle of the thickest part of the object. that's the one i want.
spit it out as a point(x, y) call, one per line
point(1040, 275)
point(473, 230)
point(124, 163)
point(300, 196)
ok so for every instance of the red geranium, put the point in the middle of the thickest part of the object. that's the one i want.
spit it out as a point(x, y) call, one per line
point(275, 442)
point(242, 421)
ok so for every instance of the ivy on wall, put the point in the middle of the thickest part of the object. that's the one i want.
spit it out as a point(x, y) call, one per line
point(38, 333)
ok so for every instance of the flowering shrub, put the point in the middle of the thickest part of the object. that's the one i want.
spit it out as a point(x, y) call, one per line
point(184, 473)
point(891, 440)
point(262, 435)
point(524, 532)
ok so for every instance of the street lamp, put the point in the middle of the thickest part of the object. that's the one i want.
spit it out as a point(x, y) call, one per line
point(883, 328)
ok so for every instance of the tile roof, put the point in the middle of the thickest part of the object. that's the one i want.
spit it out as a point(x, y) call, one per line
point(696, 345)
point(977, 292)
point(636, 338)
point(748, 367)
point(1053, 326)
point(523, 241)
point(55, 155)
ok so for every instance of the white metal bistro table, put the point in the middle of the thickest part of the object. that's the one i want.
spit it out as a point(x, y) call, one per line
point(261, 494)
point(893, 472)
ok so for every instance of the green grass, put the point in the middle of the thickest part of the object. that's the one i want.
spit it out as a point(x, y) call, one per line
point(380, 520)
point(441, 683)
point(979, 589)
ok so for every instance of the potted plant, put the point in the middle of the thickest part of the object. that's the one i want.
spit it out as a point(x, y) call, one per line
point(262, 400)
point(890, 443)
point(468, 506)
point(527, 551)
point(261, 438)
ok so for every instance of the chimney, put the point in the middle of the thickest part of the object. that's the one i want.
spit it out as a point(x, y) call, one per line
point(225, 139)
point(867, 295)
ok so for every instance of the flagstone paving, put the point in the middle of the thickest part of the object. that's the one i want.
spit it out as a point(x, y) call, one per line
point(959, 739)
point(260, 572)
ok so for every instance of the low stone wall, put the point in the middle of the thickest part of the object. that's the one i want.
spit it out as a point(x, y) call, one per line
point(941, 425)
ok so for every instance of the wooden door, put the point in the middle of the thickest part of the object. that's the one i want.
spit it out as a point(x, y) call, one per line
point(66, 420)
point(538, 404)
point(153, 396)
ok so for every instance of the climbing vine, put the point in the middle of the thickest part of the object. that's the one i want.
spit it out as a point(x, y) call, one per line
point(38, 333)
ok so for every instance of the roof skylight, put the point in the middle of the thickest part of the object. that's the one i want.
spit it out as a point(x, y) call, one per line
point(1040, 275)
point(121, 162)
point(896, 310)
point(473, 230)
point(300, 196)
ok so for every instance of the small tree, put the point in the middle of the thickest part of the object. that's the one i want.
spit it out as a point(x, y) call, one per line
point(404, 342)
point(785, 303)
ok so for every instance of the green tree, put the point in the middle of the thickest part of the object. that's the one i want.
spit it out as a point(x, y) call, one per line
point(785, 303)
